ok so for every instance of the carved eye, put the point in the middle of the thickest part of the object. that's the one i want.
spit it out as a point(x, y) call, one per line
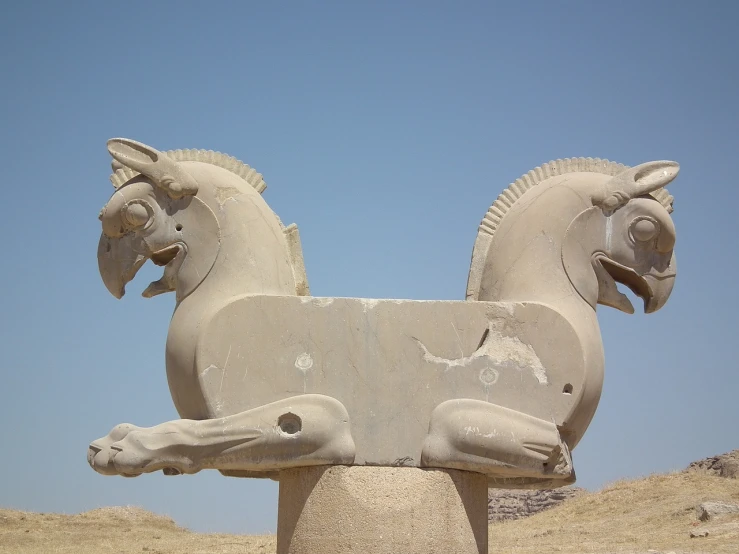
point(136, 214)
point(644, 229)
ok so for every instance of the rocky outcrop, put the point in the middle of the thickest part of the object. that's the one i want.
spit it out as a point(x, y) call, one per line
point(505, 504)
point(723, 465)
point(710, 510)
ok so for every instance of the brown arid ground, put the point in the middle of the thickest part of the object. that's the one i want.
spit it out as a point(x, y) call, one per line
point(655, 514)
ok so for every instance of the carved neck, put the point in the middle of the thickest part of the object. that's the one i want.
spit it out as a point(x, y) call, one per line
point(249, 250)
point(526, 263)
point(524, 259)
point(538, 275)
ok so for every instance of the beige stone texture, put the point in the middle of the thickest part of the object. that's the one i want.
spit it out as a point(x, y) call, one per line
point(267, 378)
point(381, 510)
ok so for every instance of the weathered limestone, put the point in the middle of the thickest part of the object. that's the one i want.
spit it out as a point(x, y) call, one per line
point(344, 400)
point(296, 432)
point(381, 510)
point(503, 384)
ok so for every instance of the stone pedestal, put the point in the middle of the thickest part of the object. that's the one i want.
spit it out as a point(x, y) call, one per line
point(381, 510)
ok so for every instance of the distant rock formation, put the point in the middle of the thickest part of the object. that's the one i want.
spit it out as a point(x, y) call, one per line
point(723, 465)
point(505, 504)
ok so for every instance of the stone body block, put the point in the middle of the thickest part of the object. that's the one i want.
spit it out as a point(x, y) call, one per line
point(391, 363)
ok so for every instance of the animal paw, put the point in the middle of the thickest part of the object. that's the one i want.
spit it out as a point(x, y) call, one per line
point(130, 451)
point(99, 453)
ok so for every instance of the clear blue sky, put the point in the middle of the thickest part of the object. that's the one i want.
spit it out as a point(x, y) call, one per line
point(385, 130)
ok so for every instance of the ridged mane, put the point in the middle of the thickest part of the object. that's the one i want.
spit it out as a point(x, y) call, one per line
point(518, 188)
point(124, 174)
point(554, 168)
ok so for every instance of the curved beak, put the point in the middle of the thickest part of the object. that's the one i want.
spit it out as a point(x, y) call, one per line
point(653, 288)
point(660, 287)
point(118, 262)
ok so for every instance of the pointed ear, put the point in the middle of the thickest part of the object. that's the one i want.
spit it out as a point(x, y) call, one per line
point(135, 155)
point(651, 176)
point(638, 181)
point(156, 165)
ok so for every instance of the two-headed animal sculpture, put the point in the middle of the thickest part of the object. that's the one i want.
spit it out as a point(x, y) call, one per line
point(267, 377)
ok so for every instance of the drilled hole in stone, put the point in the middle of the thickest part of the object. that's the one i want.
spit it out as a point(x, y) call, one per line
point(567, 389)
point(178, 227)
point(290, 424)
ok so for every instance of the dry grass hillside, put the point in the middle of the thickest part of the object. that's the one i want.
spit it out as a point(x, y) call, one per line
point(646, 515)
point(115, 530)
point(656, 514)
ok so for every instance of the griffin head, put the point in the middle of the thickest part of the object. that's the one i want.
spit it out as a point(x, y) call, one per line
point(147, 218)
point(629, 236)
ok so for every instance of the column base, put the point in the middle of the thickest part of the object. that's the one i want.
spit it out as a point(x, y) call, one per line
point(381, 510)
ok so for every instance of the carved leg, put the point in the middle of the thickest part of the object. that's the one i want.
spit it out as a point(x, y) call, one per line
point(513, 449)
point(305, 430)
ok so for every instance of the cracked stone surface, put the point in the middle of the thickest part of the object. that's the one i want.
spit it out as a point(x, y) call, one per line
point(267, 378)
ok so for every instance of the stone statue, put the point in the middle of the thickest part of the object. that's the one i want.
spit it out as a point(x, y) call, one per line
point(268, 378)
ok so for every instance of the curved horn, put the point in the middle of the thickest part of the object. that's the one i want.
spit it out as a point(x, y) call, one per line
point(637, 181)
point(156, 165)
